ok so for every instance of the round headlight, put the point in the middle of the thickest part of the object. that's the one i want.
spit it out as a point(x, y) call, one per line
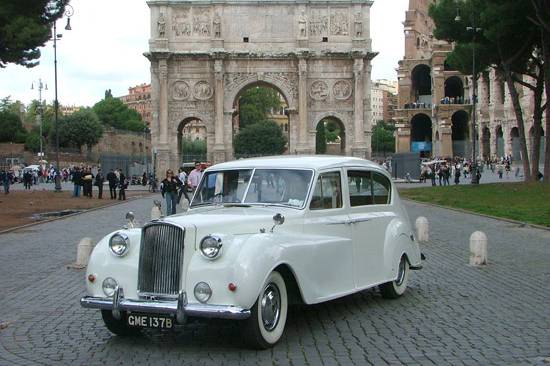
point(211, 246)
point(109, 286)
point(119, 244)
point(202, 292)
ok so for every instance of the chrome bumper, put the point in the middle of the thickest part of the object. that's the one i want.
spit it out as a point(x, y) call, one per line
point(180, 308)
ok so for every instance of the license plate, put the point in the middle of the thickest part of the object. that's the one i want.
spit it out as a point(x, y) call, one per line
point(150, 321)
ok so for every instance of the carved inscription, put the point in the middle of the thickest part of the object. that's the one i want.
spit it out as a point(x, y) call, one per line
point(342, 90)
point(319, 90)
point(339, 22)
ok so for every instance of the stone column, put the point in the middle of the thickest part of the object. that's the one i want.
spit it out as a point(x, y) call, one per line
point(367, 109)
point(219, 147)
point(493, 143)
point(303, 147)
point(163, 149)
point(359, 149)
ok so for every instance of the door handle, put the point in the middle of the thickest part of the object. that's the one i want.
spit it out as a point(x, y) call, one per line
point(360, 219)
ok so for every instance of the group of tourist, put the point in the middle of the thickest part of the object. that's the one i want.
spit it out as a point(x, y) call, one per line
point(173, 186)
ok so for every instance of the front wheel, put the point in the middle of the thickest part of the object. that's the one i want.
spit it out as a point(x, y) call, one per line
point(267, 320)
point(394, 289)
point(119, 326)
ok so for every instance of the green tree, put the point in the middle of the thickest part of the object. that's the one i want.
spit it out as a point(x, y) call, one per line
point(382, 139)
point(24, 27)
point(193, 147)
point(332, 130)
point(32, 142)
point(79, 129)
point(255, 104)
point(11, 128)
point(112, 112)
point(320, 139)
point(263, 138)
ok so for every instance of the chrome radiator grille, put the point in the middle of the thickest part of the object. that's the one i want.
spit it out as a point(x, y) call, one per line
point(160, 259)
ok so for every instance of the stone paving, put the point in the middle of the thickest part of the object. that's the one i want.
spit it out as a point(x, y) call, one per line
point(452, 313)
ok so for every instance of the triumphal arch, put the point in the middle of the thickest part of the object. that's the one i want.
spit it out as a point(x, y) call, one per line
point(204, 53)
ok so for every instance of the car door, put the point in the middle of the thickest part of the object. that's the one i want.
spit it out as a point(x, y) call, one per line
point(330, 261)
point(369, 194)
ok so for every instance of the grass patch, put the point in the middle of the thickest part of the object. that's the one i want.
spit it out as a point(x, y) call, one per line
point(526, 202)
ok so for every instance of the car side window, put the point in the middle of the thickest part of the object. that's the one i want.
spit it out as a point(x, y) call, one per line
point(360, 188)
point(381, 189)
point(328, 192)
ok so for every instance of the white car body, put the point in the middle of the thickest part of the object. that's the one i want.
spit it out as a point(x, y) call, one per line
point(326, 253)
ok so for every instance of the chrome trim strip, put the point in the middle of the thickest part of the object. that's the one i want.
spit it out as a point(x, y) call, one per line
point(167, 307)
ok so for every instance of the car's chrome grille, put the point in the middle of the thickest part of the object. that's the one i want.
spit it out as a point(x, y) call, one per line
point(160, 259)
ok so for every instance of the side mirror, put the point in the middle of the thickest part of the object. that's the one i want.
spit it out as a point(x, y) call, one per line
point(278, 219)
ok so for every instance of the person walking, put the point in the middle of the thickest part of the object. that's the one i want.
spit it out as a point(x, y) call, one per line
point(87, 181)
point(122, 184)
point(5, 179)
point(99, 179)
point(77, 181)
point(112, 179)
point(169, 191)
point(195, 176)
point(457, 176)
point(27, 179)
point(182, 176)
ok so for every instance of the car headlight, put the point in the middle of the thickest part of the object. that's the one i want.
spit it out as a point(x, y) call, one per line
point(109, 286)
point(203, 292)
point(211, 246)
point(119, 244)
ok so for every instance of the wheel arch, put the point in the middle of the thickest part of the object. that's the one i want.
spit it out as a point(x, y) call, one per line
point(294, 292)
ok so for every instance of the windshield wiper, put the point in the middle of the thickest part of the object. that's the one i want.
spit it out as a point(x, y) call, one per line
point(229, 204)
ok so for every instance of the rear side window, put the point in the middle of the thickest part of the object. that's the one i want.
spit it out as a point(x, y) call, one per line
point(368, 188)
point(328, 192)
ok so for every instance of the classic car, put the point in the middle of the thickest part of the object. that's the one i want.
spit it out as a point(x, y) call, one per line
point(260, 234)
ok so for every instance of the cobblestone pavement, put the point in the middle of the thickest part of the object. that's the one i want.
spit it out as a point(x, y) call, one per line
point(451, 314)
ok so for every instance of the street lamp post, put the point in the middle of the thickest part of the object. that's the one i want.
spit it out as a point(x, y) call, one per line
point(69, 11)
point(40, 112)
point(145, 132)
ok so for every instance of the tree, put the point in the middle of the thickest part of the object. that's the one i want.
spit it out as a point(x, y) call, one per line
point(320, 139)
point(25, 26)
point(263, 138)
point(11, 128)
point(112, 112)
point(382, 139)
point(32, 142)
point(499, 45)
point(256, 104)
point(193, 147)
point(80, 128)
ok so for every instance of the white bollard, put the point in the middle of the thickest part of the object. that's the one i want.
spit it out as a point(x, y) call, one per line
point(83, 251)
point(422, 229)
point(156, 213)
point(478, 248)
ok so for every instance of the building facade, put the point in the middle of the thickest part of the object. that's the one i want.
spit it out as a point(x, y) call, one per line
point(139, 99)
point(317, 55)
point(383, 100)
point(434, 113)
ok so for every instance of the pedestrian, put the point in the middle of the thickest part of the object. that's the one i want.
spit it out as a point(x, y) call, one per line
point(144, 179)
point(457, 176)
point(113, 182)
point(5, 179)
point(169, 190)
point(182, 176)
point(122, 185)
point(87, 181)
point(77, 181)
point(27, 179)
point(440, 174)
point(446, 174)
point(500, 170)
point(99, 179)
point(195, 176)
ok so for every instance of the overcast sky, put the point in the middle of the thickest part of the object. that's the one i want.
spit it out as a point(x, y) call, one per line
point(104, 50)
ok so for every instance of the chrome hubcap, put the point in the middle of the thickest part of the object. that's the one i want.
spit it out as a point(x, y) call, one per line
point(401, 273)
point(271, 307)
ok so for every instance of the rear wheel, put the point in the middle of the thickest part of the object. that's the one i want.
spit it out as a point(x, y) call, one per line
point(267, 320)
point(119, 326)
point(394, 289)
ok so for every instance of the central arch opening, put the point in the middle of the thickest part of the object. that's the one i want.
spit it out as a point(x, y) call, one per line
point(421, 135)
point(422, 84)
point(330, 137)
point(192, 140)
point(261, 123)
point(460, 134)
point(500, 141)
point(454, 90)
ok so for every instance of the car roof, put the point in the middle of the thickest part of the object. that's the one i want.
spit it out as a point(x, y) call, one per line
point(316, 162)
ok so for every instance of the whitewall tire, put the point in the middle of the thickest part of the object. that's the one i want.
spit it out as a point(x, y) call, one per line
point(267, 320)
point(396, 288)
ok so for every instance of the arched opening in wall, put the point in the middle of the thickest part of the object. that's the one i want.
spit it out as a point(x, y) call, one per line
point(516, 148)
point(330, 137)
point(192, 140)
point(541, 147)
point(486, 142)
point(421, 135)
point(421, 77)
point(460, 134)
point(260, 123)
point(500, 141)
point(454, 90)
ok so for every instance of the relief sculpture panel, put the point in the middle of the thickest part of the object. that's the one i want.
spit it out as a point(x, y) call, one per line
point(202, 90)
point(319, 90)
point(339, 22)
point(318, 25)
point(342, 90)
point(196, 22)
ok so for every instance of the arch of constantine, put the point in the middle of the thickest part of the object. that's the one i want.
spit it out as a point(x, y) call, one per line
point(204, 54)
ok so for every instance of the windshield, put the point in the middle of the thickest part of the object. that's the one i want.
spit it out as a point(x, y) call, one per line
point(287, 187)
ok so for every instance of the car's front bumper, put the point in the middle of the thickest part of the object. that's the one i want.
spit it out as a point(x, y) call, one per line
point(179, 308)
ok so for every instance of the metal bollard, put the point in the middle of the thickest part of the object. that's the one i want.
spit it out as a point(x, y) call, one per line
point(422, 229)
point(478, 248)
point(156, 212)
point(83, 251)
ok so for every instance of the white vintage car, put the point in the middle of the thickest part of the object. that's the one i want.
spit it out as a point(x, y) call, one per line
point(260, 234)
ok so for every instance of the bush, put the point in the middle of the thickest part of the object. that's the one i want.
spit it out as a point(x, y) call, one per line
point(263, 138)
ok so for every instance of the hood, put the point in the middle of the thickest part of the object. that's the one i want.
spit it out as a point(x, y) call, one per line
point(232, 220)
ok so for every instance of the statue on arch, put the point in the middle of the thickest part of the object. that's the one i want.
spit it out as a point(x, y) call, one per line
point(302, 24)
point(161, 26)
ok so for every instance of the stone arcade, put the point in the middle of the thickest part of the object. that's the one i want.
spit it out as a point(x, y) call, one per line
point(204, 54)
